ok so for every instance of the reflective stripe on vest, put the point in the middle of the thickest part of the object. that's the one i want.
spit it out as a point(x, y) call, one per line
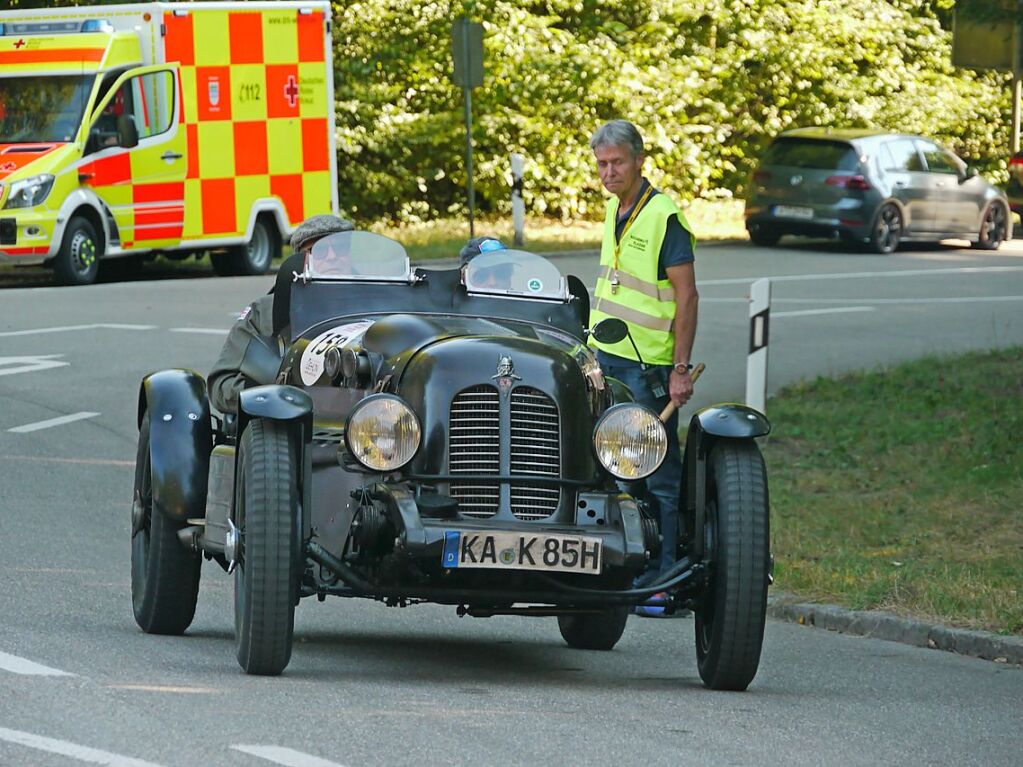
point(647, 288)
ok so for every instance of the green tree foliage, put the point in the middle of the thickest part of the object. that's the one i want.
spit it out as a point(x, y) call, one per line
point(708, 82)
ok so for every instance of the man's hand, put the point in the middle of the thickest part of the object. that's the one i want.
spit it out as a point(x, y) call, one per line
point(680, 387)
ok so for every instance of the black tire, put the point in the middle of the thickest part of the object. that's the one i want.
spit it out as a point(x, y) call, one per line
point(599, 631)
point(164, 574)
point(266, 579)
point(886, 233)
point(730, 620)
point(764, 236)
point(77, 261)
point(994, 229)
point(255, 256)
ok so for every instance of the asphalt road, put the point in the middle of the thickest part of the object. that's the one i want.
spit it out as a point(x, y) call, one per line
point(368, 685)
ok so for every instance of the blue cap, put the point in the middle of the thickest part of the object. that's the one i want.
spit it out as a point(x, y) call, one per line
point(478, 245)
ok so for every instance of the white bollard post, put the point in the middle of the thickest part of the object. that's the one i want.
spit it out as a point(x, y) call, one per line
point(756, 363)
point(518, 204)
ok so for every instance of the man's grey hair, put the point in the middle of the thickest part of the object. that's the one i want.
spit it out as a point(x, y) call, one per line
point(618, 133)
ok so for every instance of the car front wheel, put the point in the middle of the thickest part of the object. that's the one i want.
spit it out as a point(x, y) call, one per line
point(994, 229)
point(887, 231)
point(164, 574)
point(266, 578)
point(730, 619)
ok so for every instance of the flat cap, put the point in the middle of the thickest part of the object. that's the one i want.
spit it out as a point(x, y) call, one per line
point(315, 227)
point(478, 245)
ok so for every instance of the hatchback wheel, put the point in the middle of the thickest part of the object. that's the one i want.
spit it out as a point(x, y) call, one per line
point(994, 229)
point(887, 230)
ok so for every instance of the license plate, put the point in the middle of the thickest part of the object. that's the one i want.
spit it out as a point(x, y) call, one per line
point(791, 211)
point(520, 551)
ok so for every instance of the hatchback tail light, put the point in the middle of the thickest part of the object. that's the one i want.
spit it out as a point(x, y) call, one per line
point(858, 183)
point(761, 176)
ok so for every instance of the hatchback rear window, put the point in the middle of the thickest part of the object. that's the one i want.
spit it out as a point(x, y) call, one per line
point(811, 153)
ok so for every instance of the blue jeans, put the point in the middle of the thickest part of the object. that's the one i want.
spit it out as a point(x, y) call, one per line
point(665, 484)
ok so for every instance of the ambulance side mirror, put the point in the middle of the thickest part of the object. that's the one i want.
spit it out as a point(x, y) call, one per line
point(127, 135)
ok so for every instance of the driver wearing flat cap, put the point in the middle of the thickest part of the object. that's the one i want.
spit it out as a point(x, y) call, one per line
point(251, 355)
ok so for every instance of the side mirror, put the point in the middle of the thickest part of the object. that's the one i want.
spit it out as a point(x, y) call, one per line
point(128, 136)
point(969, 173)
point(610, 330)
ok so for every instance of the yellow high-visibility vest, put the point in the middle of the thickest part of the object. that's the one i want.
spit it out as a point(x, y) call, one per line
point(646, 303)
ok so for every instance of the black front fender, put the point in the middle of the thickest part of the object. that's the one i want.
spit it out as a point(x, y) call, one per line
point(275, 402)
point(180, 440)
point(707, 427)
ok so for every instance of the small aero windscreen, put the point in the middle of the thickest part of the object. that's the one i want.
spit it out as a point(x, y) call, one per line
point(358, 256)
point(515, 273)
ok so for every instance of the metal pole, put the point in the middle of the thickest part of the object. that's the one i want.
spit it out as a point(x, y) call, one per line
point(518, 204)
point(756, 362)
point(468, 132)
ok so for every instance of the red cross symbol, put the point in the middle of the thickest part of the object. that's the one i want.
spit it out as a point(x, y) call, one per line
point(19, 43)
point(291, 91)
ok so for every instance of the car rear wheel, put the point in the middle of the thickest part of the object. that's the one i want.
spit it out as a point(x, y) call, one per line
point(266, 578)
point(994, 229)
point(164, 574)
point(887, 230)
point(764, 236)
point(595, 631)
point(255, 256)
point(77, 261)
point(730, 619)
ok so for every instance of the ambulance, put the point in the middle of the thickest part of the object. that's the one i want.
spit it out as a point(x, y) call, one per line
point(163, 128)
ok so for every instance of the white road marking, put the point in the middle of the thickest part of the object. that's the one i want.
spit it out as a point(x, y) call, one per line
point(835, 310)
point(210, 331)
point(66, 328)
point(51, 422)
point(73, 750)
point(286, 756)
point(11, 365)
point(864, 275)
point(17, 665)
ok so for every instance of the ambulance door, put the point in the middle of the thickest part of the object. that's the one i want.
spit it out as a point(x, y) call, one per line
point(135, 158)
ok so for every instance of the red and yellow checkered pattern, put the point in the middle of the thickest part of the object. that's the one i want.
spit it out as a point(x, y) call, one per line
point(256, 114)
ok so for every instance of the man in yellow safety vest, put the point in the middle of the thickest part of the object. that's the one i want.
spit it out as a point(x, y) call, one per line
point(646, 278)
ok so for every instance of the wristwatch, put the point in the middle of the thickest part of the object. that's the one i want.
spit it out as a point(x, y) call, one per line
point(681, 367)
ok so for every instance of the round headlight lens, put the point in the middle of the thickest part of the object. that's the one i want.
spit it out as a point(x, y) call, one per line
point(630, 441)
point(383, 433)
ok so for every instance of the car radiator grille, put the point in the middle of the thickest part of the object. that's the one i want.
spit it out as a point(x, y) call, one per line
point(534, 448)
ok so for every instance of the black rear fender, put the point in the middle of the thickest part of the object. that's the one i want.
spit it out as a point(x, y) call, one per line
point(180, 441)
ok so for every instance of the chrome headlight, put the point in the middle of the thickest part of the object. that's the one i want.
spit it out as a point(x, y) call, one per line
point(29, 191)
point(382, 433)
point(630, 441)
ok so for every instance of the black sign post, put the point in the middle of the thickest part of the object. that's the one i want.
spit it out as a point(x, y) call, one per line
point(467, 49)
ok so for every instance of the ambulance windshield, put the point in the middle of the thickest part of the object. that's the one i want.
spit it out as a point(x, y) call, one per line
point(42, 109)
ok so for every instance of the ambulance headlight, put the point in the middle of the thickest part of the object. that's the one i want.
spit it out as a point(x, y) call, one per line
point(29, 191)
point(630, 441)
point(382, 433)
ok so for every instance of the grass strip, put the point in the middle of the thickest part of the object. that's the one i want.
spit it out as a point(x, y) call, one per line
point(901, 490)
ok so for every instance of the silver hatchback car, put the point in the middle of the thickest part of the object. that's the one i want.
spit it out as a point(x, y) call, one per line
point(871, 188)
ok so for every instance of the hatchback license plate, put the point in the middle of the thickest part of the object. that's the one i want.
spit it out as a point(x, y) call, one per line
point(791, 211)
point(519, 551)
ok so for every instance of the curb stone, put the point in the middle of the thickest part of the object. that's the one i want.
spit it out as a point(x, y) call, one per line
point(881, 625)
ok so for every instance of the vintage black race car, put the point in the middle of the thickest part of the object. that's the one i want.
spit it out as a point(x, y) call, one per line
point(429, 435)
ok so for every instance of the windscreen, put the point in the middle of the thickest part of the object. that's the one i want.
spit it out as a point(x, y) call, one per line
point(515, 273)
point(42, 109)
point(358, 256)
point(811, 153)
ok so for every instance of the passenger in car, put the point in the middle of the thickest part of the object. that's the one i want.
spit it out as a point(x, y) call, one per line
point(251, 356)
point(474, 247)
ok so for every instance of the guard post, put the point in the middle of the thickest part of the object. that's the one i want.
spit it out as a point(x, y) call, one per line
point(756, 362)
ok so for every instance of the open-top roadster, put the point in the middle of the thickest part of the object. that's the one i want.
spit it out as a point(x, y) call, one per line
point(442, 436)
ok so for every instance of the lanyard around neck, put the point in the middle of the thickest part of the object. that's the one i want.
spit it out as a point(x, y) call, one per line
point(632, 217)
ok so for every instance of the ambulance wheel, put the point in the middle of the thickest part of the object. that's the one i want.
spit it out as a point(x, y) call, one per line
point(77, 261)
point(254, 257)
